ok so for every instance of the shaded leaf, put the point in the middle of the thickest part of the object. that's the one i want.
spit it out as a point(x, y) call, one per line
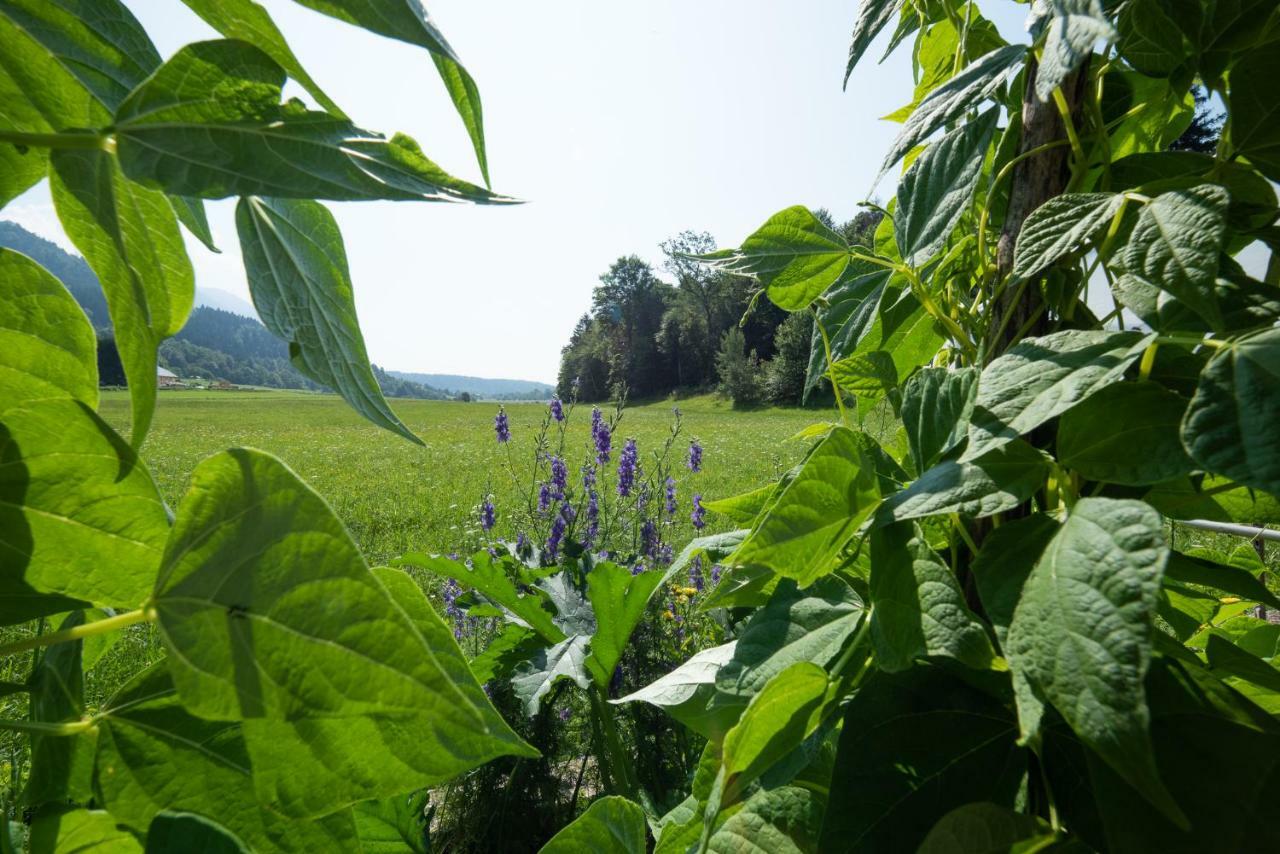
point(535, 677)
point(611, 825)
point(685, 692)
point(781, 820)
point(984, 828)
point(999, 480)
point(1254, 131)
point(1194, 569)
point(181, 832)
point(1072, 29)
point(936, 406)
point(1126, 433)
point(847, 316)
point(80, 831)
point(1001, 567)
point(511, 645)
point(61, 767)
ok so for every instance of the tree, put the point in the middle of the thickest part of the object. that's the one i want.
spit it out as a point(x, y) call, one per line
point(738, 370)
point(784, 374)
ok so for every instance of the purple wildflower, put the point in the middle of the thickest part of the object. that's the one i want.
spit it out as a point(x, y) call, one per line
point(588, 476)
point(715, 573)
point(544, 497)
point(615, 684)
point(521, 542)
point(638, 568)
point(698, 516)
point(665, 554)
point(593, 519)
point(559, 478)
point(695, 574)
point(501, 426)
point(557, 409)
point(602, 436)
point(565, 714)
point(628, 468)
point(695, 457)
point(556, 535)
point(649, 539)
point(488, 516)
point(671, 496)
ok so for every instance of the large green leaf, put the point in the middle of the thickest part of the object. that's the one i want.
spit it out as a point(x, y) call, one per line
point(611, 825)
point(301, 286)
point(779, 820)
point(914, 746)
point(998, 481)
point(408, 21)
point(936, 190)
point(959, 94)
point(873, 15)
point(154, 756)
point(38, 94)
point(686, 692)
point(1234, 580)
point(1150, 38)
point(1081, 634)
point(209, 123)
point(817, 513)
point(984, 828)
point(534, 678)
point(269, 610)
point(182, 832)
point(1126, 433)
point(80, 518)
point(1254, 130)
point(1073, 27)
point(48, 344)
point(20, 170)
point(868, 376)
point(618, 600)
point(794, 255)
point(936, 406)
point(1232, 427)
point(847, 315)
point(393, 825)
point(1040, 378)
point(249, 22)
point(80, 831)
point(61, 767)
point(1004, 562)
point(1175, 246)
point(511, 645)
point(917, 606)
point(130, 237)
point(1062, 225)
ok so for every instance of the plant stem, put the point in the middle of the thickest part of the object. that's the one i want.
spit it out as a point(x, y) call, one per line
point(56, 140)
point(624, 772)
point(99, 627)
point(40, 728)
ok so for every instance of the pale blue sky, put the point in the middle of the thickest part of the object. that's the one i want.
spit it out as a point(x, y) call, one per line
point(620, 123)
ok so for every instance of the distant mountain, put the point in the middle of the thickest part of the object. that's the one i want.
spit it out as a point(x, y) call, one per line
point(482, 387)
point(217, 342)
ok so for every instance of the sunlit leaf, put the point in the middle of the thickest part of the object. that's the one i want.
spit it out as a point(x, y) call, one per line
point(618, 600)
point(81, 831)
point(873, 15)
point(611, 825)
point(1072, 29)
point(936, 406)
point(1062, 225)
point(998, 481)
point(566, 660)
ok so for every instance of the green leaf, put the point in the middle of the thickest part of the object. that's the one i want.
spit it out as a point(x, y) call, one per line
point(129, 235)
point(1040, 378)
point(394, 825)
point(868, 376)
point(488, 575)
point(1126, 433)
point(1061, 226)
point(848, 315)
point(611, 825)
point(192, 215)
point(1232, 423)
point(1072, 30)
point(1150, 39)
point(618, 600)
point(936, 406)
point(1254, 131)
point(154, 756)
point(914, 746)
point(574, 615)
point(1257, 679)
point(781, 820)
point(80, 831)
point(311, 767)
point(48, 344)
point(936, 190)
point(993, 483)
point(872, 17)
point(685, 692)
point(297, 269)
point(408, 21)
point(79, 515)
point(61, 767)
point(269, 610)
point(566, 660)
point(180, 832)
point(19, 170)
point(511, 645)
point(209, 123)
point(958, 95)
point(1175, 246)
point(1193, 569)
point(917, 606)
point(984, 828)
point(1081, 634)
point(1006, 559)
point(794, 255)
point(249, 22)
point(816, 514)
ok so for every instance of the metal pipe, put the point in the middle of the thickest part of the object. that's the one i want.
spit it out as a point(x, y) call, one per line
point(1248, 531)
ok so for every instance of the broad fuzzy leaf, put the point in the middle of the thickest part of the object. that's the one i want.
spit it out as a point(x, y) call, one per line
point(394, 825)
point(1127, 434)
point(998, 481)
point(80, 831)
point(685, 692)
point(301, 287)
point(1232, 427)
point(618, 600)
point(1040, 378)
point(936, 406)
point(611, 825)
point(1001, 567)
point(1073, 28)
point(780, 820)
point(1080, 637)
point(566, 660)
point(48, 344)
point(130, 237)
point(1062, 225)
point(867, 376)
point(80, 519)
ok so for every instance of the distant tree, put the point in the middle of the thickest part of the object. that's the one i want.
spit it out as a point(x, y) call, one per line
point(1206, 126)
point(464, 397)
point(739, 370)
point(784, 374)
point(110, 370)
point(630, 302)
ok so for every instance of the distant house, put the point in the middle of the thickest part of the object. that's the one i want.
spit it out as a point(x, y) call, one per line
point(166, 378)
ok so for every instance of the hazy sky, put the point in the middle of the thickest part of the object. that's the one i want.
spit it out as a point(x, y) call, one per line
point(620, 123)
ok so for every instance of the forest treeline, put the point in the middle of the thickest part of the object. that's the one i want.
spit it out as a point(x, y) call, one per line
point(697, 329)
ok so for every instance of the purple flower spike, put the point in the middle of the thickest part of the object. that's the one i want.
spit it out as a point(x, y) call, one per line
point(557, 409)
point(695, 457)
point(559, 478)
point(649, 539)
point(601, 435)
point(544, 497)
point(698, 516)
point(695, 574)
point(715, 573)
point(628, 468)
point(488, 516)
point(501, 426)
point(671, 496)
point(638, 568)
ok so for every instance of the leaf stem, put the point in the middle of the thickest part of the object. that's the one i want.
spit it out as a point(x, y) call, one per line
point(93, 141)
point(98, 627)
point(42, 728)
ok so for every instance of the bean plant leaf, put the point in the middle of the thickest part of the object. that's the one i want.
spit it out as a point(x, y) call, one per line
point(936, 190)
point(1254, 130)
point(816, 514)
point(155, 756)
point(1061, 226)
point(685, 692)
point(1126, 433)
point(130, 237)
point(867, 376)
point(611, 825)
point(1231, 427)
point(618, 600)
point(984, 828)
point(566, 660)
point(195, 219)
point(1004, 562)
point(49, 345)
point(794, 255)
point(19, 170)
point(917, 607)
point(61, 767)
point(1080, 638)
point(998, 481)
point(1040, 378)
point(936, 406)
point(408, 21)
point(269, 610)
point(179, 832)
point(301, 287)
point(780, 820)
point(80, 831)
point(393, 825)
point(249, 22)
point(847, 315)
point(209, 123)
point(80, 518)
point(1073, 28)
point(1233, 580)
point(873, 15)
point(964, 91)
point(914, 746)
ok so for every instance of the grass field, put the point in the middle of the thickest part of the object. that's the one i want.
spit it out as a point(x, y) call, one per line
point(396, 496)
